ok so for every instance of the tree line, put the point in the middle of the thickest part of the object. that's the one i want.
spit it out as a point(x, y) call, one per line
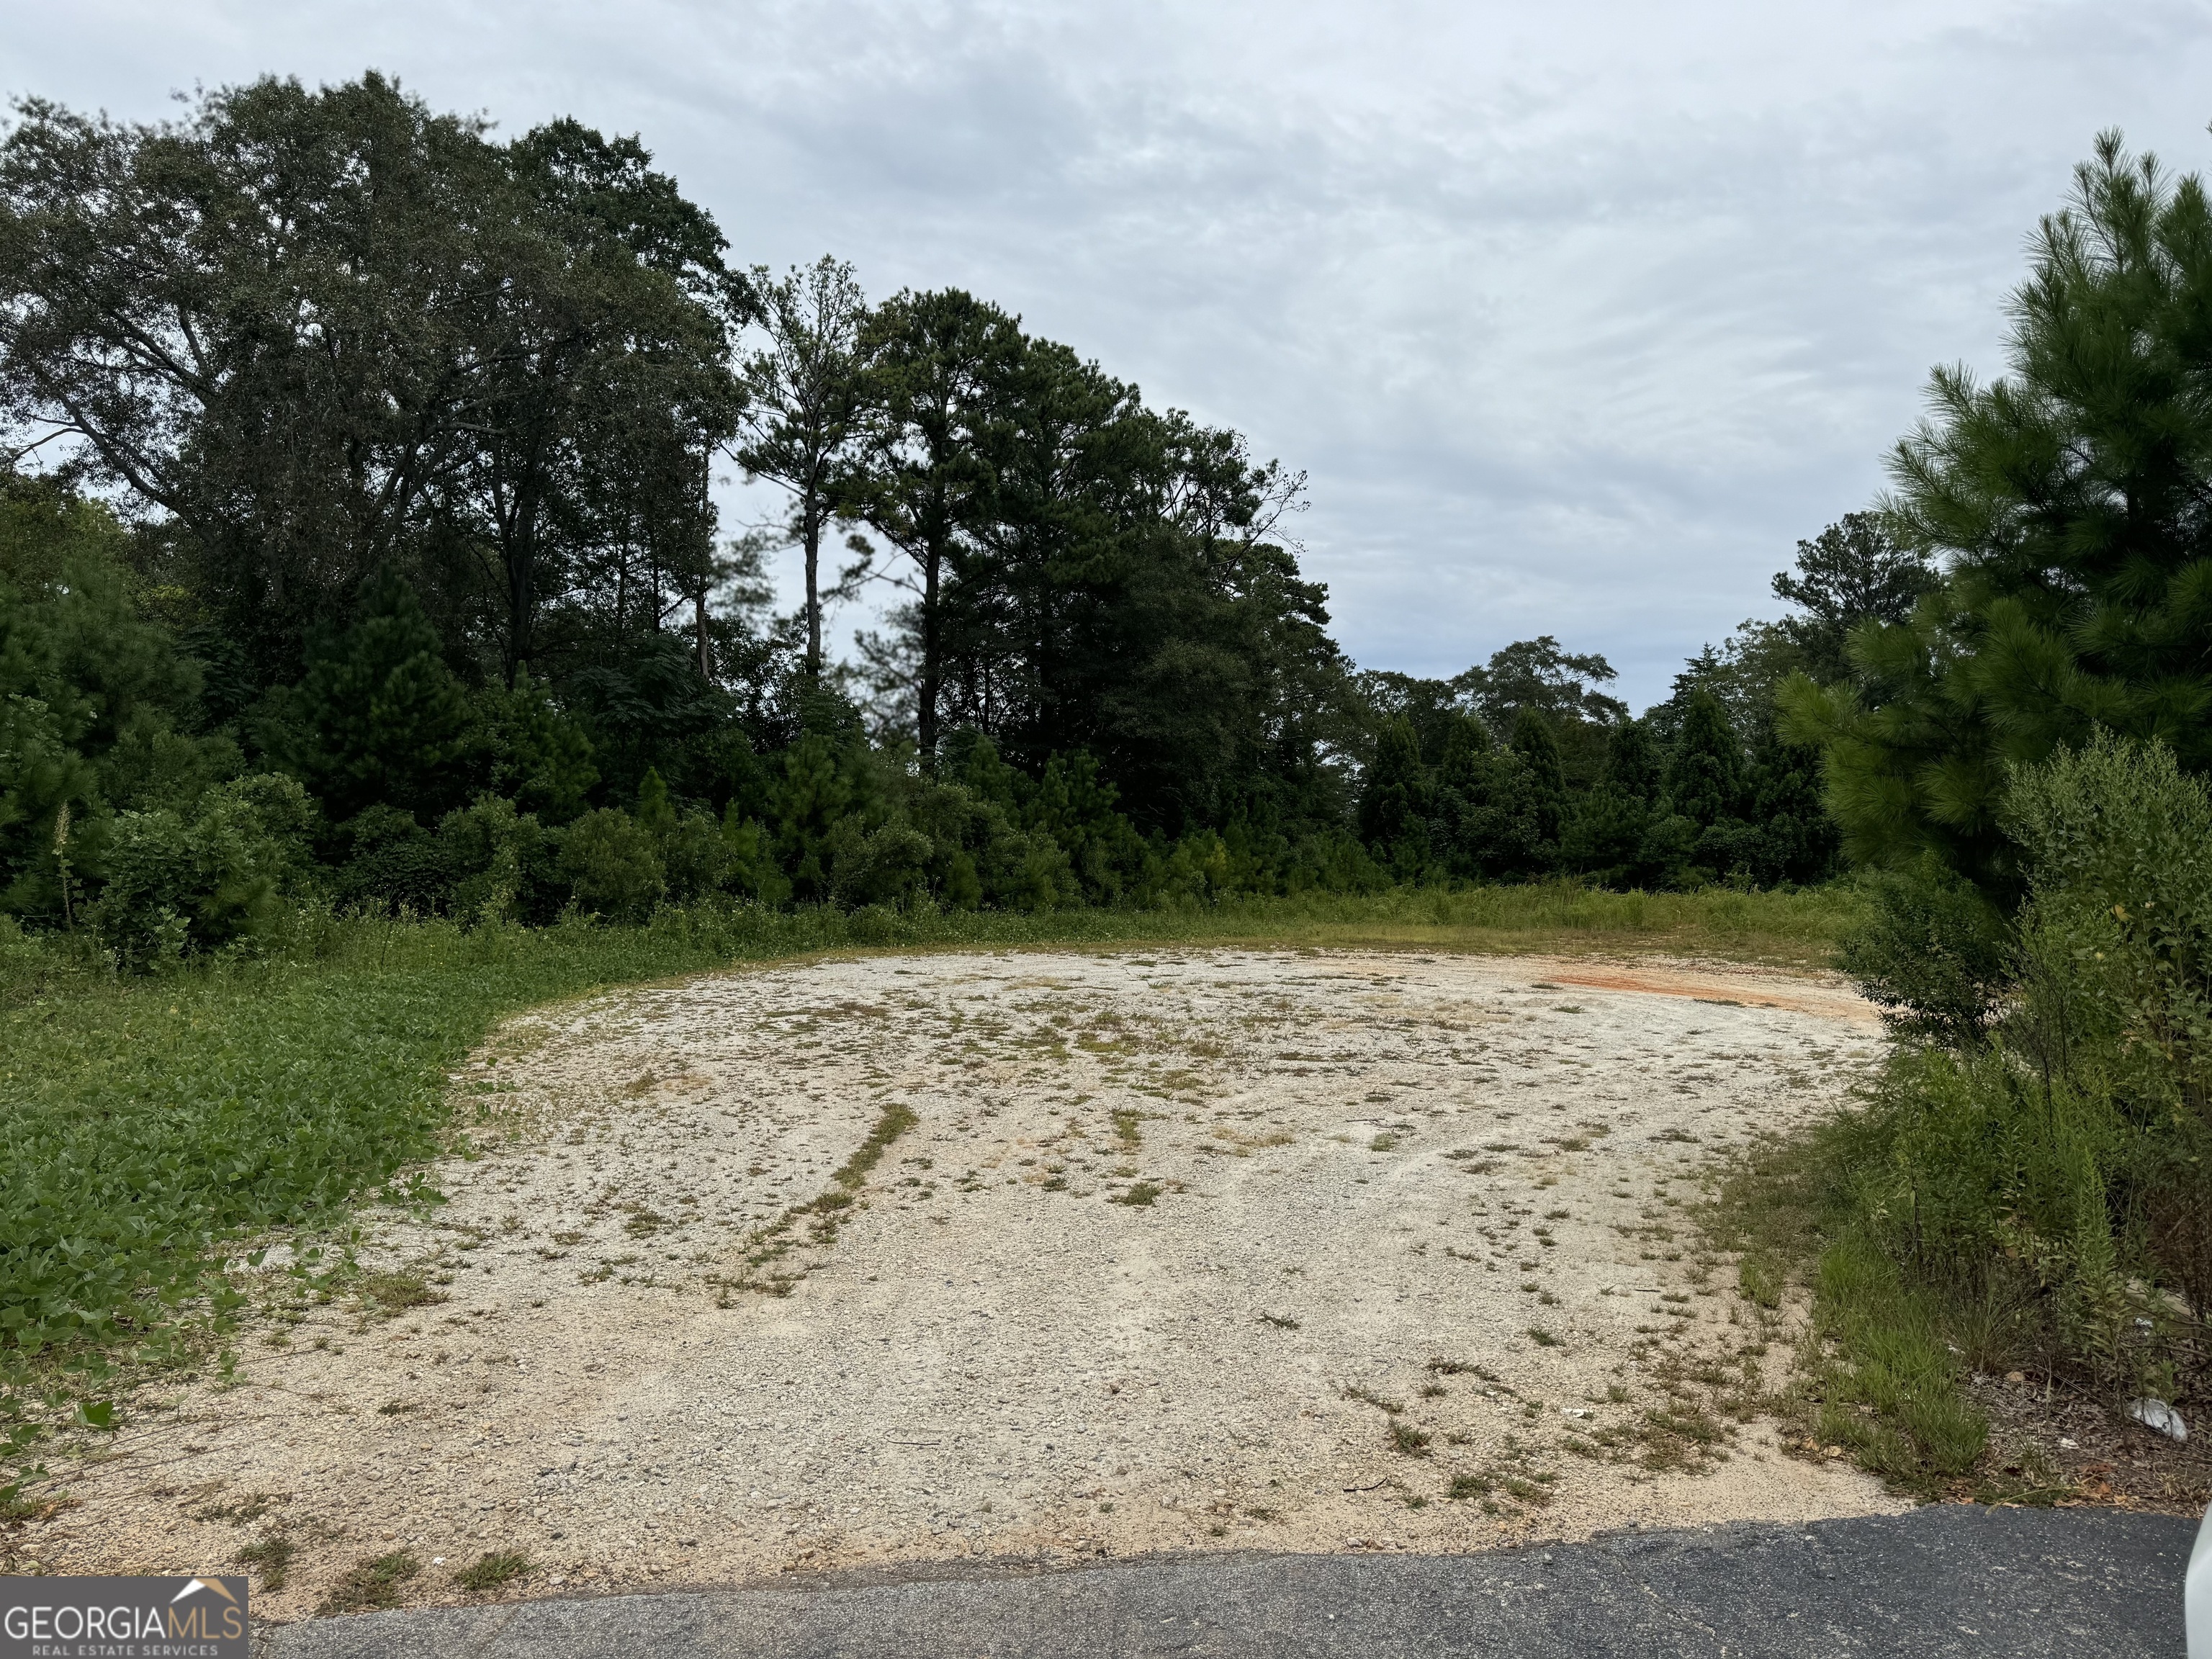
point(357, 540)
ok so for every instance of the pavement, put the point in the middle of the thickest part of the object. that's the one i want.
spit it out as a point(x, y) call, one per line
point(1946, 1579)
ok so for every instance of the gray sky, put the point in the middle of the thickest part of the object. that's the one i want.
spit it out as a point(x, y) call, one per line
point(1579, 313)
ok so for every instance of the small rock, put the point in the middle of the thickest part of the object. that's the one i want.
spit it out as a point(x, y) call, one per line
point(2067, 1443)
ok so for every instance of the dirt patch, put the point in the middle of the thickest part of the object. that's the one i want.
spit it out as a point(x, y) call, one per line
point(2069, 1448)
point(1719, 986)
point(1188, 1251)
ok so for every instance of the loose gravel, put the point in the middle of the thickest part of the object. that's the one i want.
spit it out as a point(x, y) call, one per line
point(1193, 1251)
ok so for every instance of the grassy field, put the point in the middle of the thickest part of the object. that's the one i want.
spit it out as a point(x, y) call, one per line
point(151, 1123)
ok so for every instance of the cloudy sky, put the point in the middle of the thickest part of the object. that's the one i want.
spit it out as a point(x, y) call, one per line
point(1577, 313)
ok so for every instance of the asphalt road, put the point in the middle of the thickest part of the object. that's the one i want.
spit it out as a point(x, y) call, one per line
point(1941, 1580)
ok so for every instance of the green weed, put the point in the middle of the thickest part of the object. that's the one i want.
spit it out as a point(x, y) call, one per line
point(273, 1555)
point(377, 1583)
point(1405, 1438)
point(1368, 1396)
point(491, 1570)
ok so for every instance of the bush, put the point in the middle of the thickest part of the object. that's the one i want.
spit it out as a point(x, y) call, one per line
point(1932, 953)
point(612, 866)
point(696, 859)
point(501, 862)
point(2057, 1158)
point(887, 867)
point(751, 869)
point(220, 879)
point(391, 862)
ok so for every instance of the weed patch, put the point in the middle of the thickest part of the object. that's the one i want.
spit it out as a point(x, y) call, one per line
point(1368, 1397)
point(1407, 1439)
point(492, 1569)
point(377, 1583)
point(894, 1121)
point(273, 1556)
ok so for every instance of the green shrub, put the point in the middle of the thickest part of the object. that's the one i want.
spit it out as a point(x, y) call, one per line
point(2059, 1161)
point(612, 866)
point(697, 859)
point(889, 865)
point(535, 753)
point(501, 862)
point(749, 868)
point(174, 885)
point(978, 856)
point(1931, 953)
point(391, 862)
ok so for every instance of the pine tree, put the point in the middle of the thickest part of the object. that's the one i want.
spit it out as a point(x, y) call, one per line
point(1605, 829)
point(1394, 802)
point(656, 814)
point(1705, 775)
point(1543, 780)
point(378, 717)
point(1797, 838)
point(2067, 500)
point(1633, 769)
point(1852, 572)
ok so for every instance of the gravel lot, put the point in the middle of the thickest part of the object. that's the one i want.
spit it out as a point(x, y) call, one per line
point(1216, 1249)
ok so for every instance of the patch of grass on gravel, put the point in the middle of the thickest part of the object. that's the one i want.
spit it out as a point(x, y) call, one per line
point(1405, 1438)
point(492, 1569)
point(273, 1555)
point(894, 1121)
point(377, 1582)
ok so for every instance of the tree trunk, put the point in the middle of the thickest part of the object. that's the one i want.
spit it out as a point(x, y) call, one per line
point(521, 592)
point(811, 533)
point(925, 715)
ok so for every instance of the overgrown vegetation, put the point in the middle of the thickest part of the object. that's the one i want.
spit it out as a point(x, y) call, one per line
point(2021, 762)
point(2033, 1188)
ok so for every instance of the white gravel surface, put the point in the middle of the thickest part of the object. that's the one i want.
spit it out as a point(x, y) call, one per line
point(1412, 1229)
